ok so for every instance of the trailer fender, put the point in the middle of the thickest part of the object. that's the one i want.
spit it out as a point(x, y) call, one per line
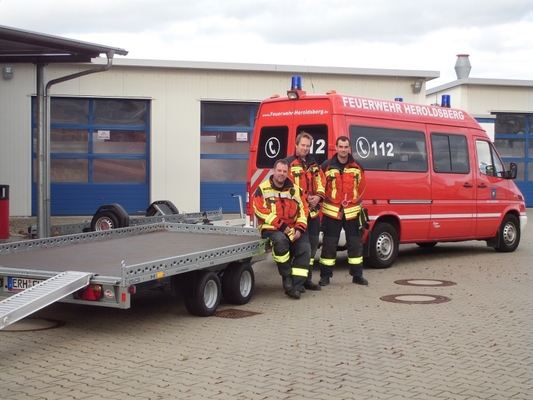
point(110, 216)
point(161, 207)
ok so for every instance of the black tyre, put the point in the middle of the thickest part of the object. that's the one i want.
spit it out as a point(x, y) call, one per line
point(238, 283)
point(509, 234)
point(426, 245)
point(202, 295)
point(383, 246)
point(104, 220)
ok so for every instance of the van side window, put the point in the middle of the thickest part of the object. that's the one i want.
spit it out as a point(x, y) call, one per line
point(384, 149)
point(450, 153)
point(272, 145)
point(319, 147)
point(488, 161)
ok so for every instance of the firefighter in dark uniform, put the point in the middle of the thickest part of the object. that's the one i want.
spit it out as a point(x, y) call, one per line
point(345, 182)
point(306, 173)
point(282, 218)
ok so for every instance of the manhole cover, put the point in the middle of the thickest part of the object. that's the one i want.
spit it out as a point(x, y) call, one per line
point(33, 324)
point(415, 298)
point(424, 282)
point(234, 313)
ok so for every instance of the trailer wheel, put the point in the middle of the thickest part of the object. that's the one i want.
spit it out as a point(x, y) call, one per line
point(509, 234)
point(238, 283)
point(103, 221)
point(383, 246)
point(203, 294)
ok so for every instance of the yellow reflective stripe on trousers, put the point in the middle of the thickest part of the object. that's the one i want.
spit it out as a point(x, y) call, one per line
point(328, 262)
point(299, 271)
point(312, 262)
point(355, 260)
point(281, 258)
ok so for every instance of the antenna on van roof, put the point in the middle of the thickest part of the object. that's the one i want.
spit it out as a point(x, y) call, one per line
point(310, 79)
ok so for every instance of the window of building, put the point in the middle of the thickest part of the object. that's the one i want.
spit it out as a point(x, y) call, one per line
point(226, 131)
point(513, 134)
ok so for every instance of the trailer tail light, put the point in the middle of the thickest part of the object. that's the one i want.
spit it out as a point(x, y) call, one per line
point(92, 293)
point(132, 289)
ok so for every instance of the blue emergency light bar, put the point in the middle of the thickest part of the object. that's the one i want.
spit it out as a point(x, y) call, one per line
point(296, 83)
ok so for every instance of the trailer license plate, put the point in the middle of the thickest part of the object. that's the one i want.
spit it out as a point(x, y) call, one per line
point(15, 284)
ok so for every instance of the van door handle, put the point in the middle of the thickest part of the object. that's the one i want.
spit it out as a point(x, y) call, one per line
point(468, 185)
point(482, 186)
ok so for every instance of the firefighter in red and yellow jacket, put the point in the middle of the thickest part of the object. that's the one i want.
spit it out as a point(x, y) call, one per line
point(345, 182)
point(306, 173)
point(282, 218)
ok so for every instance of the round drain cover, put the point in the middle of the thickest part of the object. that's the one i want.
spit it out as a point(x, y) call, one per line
point(424, 282)
point(415, 298)
point(33, 324)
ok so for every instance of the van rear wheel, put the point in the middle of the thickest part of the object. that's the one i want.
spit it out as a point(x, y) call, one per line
point(383, 246)
point(509, 234)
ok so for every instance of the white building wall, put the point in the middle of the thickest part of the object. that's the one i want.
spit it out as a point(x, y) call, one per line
point(176, 95)
point(15, 138)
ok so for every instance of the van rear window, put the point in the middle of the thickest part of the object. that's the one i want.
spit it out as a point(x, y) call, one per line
point(383, 149)
point(273, 141)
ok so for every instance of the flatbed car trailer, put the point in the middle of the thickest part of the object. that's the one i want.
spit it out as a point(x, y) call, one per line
point(113, 216)
point(106, 268)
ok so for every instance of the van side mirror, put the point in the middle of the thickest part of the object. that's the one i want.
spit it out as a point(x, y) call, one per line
point(513, 170)
point(489, 170)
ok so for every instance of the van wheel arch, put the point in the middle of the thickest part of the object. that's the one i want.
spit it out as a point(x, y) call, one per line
point(508, 237)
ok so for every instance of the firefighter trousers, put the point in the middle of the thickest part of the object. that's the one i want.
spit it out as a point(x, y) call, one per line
point(292, 258)
point(354, 242)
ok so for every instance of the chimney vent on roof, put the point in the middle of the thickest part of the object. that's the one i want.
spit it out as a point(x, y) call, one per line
point(462, 66)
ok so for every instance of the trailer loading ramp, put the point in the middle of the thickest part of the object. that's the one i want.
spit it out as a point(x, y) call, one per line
point(39, 296)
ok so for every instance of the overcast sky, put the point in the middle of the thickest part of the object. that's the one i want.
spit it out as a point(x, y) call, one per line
point(386, 34)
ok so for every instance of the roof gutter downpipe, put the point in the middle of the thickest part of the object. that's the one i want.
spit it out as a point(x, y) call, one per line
point(43, 128)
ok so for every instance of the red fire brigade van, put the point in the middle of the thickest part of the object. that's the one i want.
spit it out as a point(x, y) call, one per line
point(433, 174)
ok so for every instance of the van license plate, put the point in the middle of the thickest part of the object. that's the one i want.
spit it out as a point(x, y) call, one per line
point(15, 284)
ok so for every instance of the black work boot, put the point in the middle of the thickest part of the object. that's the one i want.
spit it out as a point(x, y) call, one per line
point(309, 283)
point(287, 283)
point(293, 293)
point(324, 281)
point(359, 280)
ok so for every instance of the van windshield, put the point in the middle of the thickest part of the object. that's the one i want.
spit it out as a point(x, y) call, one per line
point(383, 149)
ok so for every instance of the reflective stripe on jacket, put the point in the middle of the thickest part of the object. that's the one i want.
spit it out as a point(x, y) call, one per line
point(277, 208)
point(307, 174)
point(343, 185)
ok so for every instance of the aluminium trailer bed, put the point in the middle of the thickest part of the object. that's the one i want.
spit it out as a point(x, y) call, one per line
point(106, 268)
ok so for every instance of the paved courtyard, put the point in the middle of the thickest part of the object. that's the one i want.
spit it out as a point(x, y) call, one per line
point(468, 337)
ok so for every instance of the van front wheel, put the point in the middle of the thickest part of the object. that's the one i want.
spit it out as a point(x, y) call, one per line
point(383, 246)
point(509, 234)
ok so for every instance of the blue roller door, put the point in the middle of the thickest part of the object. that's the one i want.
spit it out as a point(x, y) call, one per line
point(99, 154)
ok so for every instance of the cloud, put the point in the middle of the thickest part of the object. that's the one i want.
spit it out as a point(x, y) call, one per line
point(389, 34)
